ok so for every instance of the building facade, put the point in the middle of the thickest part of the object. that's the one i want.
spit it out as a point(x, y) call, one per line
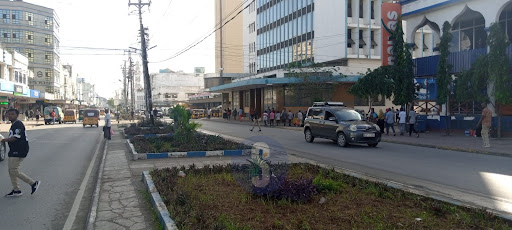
point(33, 31)
point(228, 39)
point(171, 88)
point(283, 37)
point(470, 21)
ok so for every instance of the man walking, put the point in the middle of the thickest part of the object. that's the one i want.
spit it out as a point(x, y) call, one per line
point(299, 118)
point(240, 113)
point(53, 115)
point(485, 121)
point(390, 121)
point(290, 117)
point(412, 122)
point(402, 115)
point(18, 151)
point(107, 127)
point(256, 120)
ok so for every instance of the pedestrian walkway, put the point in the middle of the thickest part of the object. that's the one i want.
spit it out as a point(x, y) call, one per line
point(120, 203)
point(457, 140)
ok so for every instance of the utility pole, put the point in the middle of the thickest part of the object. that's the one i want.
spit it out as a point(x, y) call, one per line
point(125, 91)
point(131, 78)
point(145, 70)
point(221, 69)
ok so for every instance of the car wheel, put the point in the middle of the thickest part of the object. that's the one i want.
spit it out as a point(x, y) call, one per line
point(309, 136)
point(373, 144)
point(3, 151)
point(341, 140)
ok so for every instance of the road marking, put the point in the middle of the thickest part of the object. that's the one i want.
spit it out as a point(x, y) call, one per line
point(78, 199)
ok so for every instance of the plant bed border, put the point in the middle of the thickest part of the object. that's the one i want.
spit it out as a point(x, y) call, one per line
point(158, 203)
point(143, 156)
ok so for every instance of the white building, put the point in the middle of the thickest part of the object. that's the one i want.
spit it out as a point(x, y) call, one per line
point(171, 88)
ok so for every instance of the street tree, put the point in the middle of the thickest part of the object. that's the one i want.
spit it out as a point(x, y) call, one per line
point(374, 83)
point(110, 103)
point(402, 71)
point(443, 72)
point(499, 70)
point(471, 85)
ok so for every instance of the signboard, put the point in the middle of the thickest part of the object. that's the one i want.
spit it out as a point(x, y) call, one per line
point(40, 74)
point(199, 70)
point(7, 86)
point(34, 93)
point(4, 103)
point(18, 89)
point(390, 14)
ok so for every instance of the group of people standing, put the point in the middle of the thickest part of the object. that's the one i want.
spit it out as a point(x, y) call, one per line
point(392, 116)
point(29, 115)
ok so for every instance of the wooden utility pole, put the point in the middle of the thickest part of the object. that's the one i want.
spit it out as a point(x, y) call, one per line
point(145, 69)
point(125, 91)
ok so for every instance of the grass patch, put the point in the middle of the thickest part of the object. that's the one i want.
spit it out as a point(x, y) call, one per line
point(156, 220)
point(214, 198)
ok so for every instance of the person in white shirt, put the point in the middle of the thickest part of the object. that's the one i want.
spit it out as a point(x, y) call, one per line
point(107, 127)
point(402, 121)
point(299, 118)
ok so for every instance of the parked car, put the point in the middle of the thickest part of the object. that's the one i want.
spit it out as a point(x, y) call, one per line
point(341, 124)
point(59, 115)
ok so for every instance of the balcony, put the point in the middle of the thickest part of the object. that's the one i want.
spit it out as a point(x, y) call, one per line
point(463, 60)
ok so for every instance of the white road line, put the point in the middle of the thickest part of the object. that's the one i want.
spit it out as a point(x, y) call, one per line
point(78, 199)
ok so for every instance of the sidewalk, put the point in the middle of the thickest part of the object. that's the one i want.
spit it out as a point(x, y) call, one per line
point(4, 127)
point(121, 205)
point(457, 140)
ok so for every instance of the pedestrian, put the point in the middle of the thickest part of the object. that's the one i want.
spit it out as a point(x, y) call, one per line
point(272, 117)
point(38, 114)
point(278, 118)
point(209, 113)
point(256, 120)
point(26, 115)
point(412, 122)
point(18, 151)
point(132, 116)
point(390, 121)
point(233, 112)
point(290, 117)
point(485, 121)
point(229, 114)
point(284, 115)
point(251, 114)
point(300, 116)
point(117, 114)
point(398, 115)
point(402, 121)
point(53, 115)
point(240, 113)
point(265, 118)
point(31, 114)
point(108, 123)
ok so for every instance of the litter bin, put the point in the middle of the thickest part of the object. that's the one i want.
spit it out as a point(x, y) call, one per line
point(421, 123)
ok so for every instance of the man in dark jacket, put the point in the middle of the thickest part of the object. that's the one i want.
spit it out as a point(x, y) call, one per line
point(256, 120)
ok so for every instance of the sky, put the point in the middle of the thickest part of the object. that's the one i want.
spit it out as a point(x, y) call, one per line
point(111, 24)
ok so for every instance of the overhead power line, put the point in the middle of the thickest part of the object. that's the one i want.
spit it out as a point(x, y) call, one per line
point(200, 41)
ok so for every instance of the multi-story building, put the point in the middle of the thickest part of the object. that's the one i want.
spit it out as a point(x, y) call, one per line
point(171, 88)
point(228, 39)
point(33, 31)
point(470, 22)
point(140, 99)
point(279, 34)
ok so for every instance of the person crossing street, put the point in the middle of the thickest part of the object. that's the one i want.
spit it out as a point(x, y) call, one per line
point(18, 151)
point(256, 120)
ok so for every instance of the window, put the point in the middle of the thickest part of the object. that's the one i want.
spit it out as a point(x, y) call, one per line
point(48, 39)
point(16, 36)
point(372, 9)
point(48, 23)
point(316, 113)
point(16, 76)
point(468, 32)
point(372, 38)
point(48, 74)
point(361, 40)
point(6, 35)
point(348, 115)
point(29, 17)
point(29, 35)
point(30, 54)
point(350, 42)
point(328, 115)
point(48, 57)
point(349, 8)
point(24, 79)
point(361, 9)
point(16, 16)
point(6, 16)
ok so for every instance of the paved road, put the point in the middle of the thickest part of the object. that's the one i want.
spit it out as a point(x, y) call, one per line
point(480, 179)
point(59, 157)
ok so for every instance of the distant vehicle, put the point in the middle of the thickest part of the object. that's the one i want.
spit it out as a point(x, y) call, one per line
point(198, 113)
point(159, 114)
point(102, 112)
point(341, 124)
point(59, 115)
point(70, 116)
point(91, 117)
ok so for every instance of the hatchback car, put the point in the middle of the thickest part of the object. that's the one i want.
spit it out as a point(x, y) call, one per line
point(341, 124)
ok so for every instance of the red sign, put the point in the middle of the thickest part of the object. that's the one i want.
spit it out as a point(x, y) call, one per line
point(390, 14)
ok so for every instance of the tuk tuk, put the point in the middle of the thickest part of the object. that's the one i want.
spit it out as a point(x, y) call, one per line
point(80, 115)
point(59, 115)
point(91, 117)
point(198, 113)
point(215, 113)
point(70, 116)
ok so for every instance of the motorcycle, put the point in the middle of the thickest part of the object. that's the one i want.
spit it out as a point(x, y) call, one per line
point(3, 149)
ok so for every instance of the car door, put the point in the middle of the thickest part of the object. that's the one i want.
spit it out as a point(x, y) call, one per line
point(316, 121)
point(329, 126)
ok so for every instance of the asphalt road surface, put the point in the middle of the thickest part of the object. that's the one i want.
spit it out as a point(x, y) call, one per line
point(59, 157)
point(479, 179)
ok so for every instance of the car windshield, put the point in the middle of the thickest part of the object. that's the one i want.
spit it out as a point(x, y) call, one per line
point(348, 115)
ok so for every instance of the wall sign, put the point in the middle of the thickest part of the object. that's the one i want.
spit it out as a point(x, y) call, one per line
point(389, 21)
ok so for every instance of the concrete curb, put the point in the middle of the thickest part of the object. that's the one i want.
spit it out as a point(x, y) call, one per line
point(158, 204)
point(449, 148)
point(142, 156)
point(96, 194)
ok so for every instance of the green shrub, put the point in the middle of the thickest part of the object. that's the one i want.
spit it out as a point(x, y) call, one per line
point(327, 185)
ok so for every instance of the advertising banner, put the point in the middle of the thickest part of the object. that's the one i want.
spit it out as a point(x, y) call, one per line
point(390, 14)
point(34, 93)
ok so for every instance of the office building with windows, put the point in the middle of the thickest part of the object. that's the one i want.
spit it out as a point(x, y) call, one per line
point(33, 30)
point(281, 34)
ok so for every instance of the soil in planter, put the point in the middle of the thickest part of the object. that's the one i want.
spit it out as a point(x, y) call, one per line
point(211, 198)
point(199, 142)
point(133, 130)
